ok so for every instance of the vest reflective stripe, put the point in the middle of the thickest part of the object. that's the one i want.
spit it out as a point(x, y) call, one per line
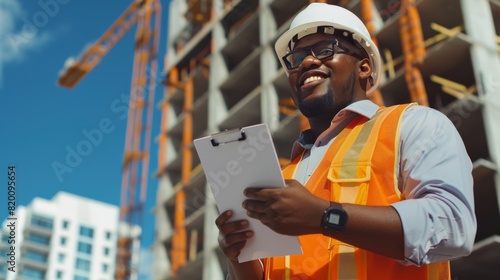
point(359, 167)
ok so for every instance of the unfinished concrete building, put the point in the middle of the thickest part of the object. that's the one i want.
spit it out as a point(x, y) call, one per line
point(221, 72)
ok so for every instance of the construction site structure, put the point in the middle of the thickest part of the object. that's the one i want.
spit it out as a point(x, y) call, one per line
point(221, 72)
point(145, 15)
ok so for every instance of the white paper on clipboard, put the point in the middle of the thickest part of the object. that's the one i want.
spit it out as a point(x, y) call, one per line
point(234, 160)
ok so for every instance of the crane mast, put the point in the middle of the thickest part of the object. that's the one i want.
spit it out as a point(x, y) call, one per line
point(146, 15)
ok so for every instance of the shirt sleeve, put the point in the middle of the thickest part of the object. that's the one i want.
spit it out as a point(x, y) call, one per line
point(435, 177)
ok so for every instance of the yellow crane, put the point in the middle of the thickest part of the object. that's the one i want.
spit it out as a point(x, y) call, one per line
point(146, 15)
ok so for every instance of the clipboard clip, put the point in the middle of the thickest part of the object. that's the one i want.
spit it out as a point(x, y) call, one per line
point(228, 136)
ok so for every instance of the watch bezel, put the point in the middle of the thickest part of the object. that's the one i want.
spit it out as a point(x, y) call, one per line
point(332, 228)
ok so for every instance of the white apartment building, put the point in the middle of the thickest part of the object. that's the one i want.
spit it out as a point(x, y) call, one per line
point(66, 238)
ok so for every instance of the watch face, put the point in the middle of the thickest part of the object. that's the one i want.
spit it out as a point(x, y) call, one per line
point(334, 218)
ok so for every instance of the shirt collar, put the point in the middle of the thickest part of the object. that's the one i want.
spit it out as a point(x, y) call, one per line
point(306, 139)
point(364, 107)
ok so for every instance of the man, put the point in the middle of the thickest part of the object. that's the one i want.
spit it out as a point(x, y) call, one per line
point(372, 193)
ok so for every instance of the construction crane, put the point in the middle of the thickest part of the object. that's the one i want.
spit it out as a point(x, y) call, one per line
point(146, 15)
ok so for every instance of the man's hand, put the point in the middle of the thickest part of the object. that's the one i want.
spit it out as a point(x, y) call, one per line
point(232, 238)
point(291, 210)
point(232, 235)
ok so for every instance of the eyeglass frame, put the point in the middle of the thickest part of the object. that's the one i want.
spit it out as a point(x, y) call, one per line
point(309, 51)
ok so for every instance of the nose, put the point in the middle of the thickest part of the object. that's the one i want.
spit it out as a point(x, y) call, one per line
point(309, 61)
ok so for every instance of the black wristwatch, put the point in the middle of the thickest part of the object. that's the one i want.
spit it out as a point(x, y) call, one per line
point(334, 219)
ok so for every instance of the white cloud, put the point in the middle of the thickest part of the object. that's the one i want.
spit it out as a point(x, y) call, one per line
point(146, 264)
point(20, 32)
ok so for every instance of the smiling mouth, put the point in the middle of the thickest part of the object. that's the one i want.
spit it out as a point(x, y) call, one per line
point(312, 79)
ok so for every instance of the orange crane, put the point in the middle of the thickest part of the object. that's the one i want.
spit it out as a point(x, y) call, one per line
point(412, 41)
point(146, 14)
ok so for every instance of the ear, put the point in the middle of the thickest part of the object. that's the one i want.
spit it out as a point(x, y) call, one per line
point(364, 73)
point(365, 69)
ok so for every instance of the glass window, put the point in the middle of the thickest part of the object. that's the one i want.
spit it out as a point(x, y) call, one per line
point(59, 274)
point(84, 247)
point(82, 264)
point(79, 277)
point(106, 251)
point(40, 221)
point(105, 268)
point(63, 241)
point(108, 235)
point(61, 257)
point(36, 256)
point(37, 238)
point(3, 252)
point(4, 237)
point(86, 231)
point(32, 273)
point(65, 224)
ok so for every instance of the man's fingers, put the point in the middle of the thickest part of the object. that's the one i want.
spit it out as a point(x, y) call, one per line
point(234, 250)
point(222, 219)
point(232, 244)
point(255, 205)
point(232, 239)
point(232, 227)
point(257, 193)
point(232, 234)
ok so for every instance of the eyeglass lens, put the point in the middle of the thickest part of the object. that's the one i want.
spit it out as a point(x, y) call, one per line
point(320, 50)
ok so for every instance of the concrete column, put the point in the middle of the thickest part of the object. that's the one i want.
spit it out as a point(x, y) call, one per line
point(217, 109)
point(212, 267)
point(479, 25)
point(268, 64)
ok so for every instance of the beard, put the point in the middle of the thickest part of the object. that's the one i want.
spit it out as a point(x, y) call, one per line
point(319, 107)
point(329, 104)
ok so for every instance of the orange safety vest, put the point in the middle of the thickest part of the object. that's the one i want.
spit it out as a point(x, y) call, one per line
point(359, 167)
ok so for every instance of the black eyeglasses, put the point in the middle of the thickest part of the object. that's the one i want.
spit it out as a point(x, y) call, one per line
point(321, 50)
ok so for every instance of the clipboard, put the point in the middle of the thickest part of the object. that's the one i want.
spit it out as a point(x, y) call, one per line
point(234, 160)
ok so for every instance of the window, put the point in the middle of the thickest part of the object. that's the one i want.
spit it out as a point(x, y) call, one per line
point(106, 251)
point(86, 231)
point(65, 224)
point(36, 256)
point(108, 235)
point(84, 247)
point(82, 264)
point(59, 274)
point(63, 241)
point(3, 252)
point(40, 221)
point(32, 273)
point(79, 277)
point(39, 239)
point(61, 257)
point(105, 268)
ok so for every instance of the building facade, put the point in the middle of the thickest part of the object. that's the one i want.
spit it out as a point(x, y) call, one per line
point(221, 72)
point(66, 238)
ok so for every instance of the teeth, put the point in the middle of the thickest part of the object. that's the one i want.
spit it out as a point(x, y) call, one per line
point(312, 79)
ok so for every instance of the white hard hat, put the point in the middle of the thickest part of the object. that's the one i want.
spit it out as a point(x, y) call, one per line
point(325, 15)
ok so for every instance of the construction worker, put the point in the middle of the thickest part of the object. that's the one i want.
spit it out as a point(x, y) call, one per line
point(371, 192)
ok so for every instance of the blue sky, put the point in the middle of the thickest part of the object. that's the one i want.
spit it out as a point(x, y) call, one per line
point(41, 122)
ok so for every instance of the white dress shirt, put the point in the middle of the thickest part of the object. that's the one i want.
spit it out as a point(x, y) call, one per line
point(435, 176)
